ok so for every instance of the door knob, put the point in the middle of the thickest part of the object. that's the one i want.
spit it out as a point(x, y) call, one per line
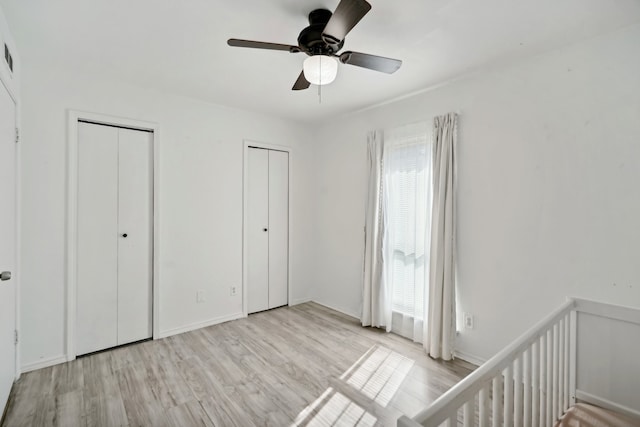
point(125, 235)
point(264, 229)
point(5, 275)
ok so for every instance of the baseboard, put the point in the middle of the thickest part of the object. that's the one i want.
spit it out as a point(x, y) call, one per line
point(338, 309)
point(607, 404)
point(198, 325)
point(300, 301)
point(474, 360)
point(43, 363)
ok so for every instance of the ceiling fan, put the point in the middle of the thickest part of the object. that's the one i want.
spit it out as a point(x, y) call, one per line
point(322, 40)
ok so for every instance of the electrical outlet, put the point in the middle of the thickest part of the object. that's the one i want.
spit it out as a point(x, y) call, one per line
point(200, 296)
point(233, 291)
point(467, 319)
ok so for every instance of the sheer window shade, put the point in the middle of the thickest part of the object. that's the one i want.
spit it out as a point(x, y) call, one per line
point(407, 202)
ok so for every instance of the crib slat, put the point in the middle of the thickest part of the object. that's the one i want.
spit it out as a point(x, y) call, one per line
point(572, 356)
point(554, 374)
point(543, 379)
point(468, 412)
point(561, 369)
point(451, 422)
point(524, 381)
point(484, 406)
point(517, 401)
point(508, 396)
point(496, 410)
point(533, 417)
point(567, 337)
point(549, 396)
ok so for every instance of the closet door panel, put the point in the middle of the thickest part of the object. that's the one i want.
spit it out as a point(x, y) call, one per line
point(278, 228)
point(97, 244)
point(257, 230)
point(135, 250)
point(8, 244)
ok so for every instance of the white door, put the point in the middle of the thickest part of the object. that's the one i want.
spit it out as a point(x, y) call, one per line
point(135, 210)
point(278, 228)
point(114, 262)
point(267, 229)
point(97, 260)
point(257, 230)
point(7, 244)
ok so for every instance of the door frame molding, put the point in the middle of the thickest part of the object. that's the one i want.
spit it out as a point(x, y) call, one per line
point(245, 175)
point(72, 219)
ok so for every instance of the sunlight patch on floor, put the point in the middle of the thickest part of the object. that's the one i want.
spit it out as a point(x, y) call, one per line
point(376, 376)
point(333, 408)
point(379, 374)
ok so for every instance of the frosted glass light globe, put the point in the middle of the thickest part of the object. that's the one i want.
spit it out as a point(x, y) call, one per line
point(320, 69)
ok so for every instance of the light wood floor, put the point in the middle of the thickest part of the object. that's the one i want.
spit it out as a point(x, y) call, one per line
point(305, 365)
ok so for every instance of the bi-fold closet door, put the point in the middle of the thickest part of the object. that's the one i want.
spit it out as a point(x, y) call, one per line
point(114, 237)
point(8, 240)
point(267, 229)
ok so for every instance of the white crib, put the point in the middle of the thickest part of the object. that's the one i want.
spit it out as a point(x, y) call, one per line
point(584, 351)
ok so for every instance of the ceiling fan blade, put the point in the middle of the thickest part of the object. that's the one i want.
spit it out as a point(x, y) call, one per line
point(301, 83)
point(347, 15)
point(262, 45)
point(372, 62)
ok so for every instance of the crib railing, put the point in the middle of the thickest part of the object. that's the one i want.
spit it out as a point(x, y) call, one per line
point(529, 383)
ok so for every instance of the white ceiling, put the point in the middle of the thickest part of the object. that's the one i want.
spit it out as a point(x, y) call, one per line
point(180, 46)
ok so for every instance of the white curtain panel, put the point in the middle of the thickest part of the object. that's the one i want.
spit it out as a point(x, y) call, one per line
point(407, 204)
point(376, 309)
point(441, 320)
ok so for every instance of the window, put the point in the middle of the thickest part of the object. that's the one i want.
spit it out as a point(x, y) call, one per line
point(407, 205)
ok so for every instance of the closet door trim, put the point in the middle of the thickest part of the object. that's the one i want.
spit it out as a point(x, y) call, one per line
point(255, 144)
point(74, 117)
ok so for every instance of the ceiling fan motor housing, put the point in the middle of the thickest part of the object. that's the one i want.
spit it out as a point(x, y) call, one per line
point(311, 40)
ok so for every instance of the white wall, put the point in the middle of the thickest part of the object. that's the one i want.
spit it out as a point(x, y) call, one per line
point(548, 195)
point(201, 149)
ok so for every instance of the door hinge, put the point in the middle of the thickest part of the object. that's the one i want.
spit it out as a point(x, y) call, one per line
point(17, 135)
point(16, 337)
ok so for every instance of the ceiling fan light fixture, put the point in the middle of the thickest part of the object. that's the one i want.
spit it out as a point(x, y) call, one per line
point(320, 69)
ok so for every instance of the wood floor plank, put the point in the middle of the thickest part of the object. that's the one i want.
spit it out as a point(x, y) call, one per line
point(201, 381)
point(168, 386)
point(141, 413)
point(67, 377)
point(305, 365)
point(189, 414)
point(68, 409)
point(105, 411)
point(44, 413)
point(224, 411)
point(133, 384)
